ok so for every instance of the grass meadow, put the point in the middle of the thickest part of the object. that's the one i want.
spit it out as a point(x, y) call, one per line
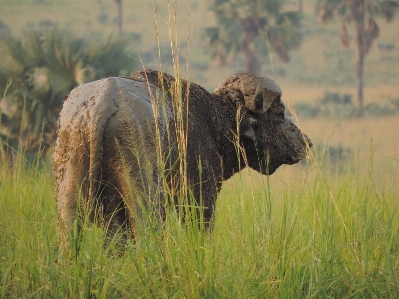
point(309, 231)
point(325, 228)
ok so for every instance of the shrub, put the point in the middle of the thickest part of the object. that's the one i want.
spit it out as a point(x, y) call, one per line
point(336, 105)
point(307, 110)
point(37, 71)
point(335, 157)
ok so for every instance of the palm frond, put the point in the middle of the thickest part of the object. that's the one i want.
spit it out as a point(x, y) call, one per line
point(44, 65)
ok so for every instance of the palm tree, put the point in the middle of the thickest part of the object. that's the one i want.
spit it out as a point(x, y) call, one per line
point(119, 17)
point(247, 28)
point(357, 11)
point(39, 69)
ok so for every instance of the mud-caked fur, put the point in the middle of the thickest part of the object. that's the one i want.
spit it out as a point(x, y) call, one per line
point(120, 138)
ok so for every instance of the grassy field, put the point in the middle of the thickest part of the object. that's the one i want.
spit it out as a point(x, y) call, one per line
point(308, 231)
point(327, 228)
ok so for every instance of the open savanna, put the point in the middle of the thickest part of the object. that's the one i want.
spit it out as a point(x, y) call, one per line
point(321, 62)
point(315, 230)
point(326, 228)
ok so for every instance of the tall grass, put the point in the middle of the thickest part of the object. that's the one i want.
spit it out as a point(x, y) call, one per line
point(267, 241)
point(318, 235)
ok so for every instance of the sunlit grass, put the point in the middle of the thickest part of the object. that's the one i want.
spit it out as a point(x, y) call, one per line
point(267, 241)
point(313, 233)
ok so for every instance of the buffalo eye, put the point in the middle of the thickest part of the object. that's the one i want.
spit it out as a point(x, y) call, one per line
point(256, 124)
point(282, 117)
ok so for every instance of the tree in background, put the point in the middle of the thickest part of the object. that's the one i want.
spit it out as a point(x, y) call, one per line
point(365, 31)
point(251, 28)
point(4, 30)
point(119, 17)
point(40, 68)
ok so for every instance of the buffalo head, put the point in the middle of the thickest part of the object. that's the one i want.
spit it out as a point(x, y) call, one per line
point(267, 134)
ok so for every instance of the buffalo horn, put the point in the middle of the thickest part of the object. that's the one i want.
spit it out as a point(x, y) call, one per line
point(267, 91)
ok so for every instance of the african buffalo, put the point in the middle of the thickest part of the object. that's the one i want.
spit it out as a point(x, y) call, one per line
point(119, 139)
